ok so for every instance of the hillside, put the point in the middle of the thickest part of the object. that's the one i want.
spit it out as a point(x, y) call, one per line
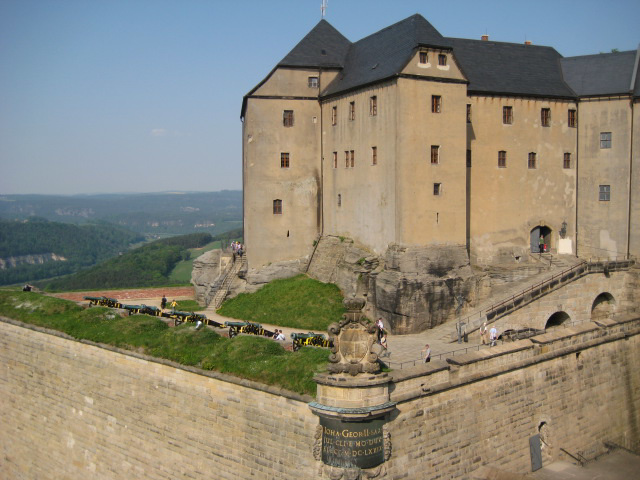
point(36, 249)
point(146, 266)
point(151, 214)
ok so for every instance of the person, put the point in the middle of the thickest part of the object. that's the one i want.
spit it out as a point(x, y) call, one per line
point(493, 335)
point(483, 333)
point(541, 244)
point(383, 344)
point(173, 305)
point(380, 326)
point(280, 336)
point(426, 353)
point(163, 302)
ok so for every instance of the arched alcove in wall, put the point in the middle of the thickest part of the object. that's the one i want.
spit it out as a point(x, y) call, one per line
point(603, 306)
point(557, 319)
point(535, 234)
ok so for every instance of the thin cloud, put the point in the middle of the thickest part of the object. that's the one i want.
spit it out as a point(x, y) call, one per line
point(158, 132)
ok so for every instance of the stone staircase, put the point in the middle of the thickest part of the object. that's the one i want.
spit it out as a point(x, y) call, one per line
point(224, 286)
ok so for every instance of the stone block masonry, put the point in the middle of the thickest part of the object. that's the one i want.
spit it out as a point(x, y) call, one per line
point(76, 410)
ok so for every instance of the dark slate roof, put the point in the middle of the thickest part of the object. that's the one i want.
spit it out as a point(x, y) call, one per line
point(510, 68)
point(323, 46)
point(602, 74)
point(385, 53)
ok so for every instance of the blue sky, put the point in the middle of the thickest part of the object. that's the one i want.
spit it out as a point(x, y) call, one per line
point(102, 96)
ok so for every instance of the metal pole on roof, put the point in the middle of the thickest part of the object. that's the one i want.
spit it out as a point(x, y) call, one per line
point(323, 7)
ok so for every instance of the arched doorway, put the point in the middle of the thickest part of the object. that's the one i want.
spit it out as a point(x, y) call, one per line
point(602, 306)
point(535, 234)
point(557, 319)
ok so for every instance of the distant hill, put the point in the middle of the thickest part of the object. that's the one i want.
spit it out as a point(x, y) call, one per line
point(146, 266)
point(151, 214)
point(36, 249)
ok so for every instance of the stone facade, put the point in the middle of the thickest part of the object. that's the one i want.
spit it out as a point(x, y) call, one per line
point(76, 410)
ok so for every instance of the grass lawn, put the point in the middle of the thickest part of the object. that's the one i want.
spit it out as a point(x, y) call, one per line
point(181, 273)
point(254, 358)
point(298, 302)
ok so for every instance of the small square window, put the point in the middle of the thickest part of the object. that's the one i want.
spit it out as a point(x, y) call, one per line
point(468, 113)
point(334, 115)
point(287, 118)
point(545, 117)
point(284, 160)
point(353, 158)
point(373, 106)
point(437, 188)
point(605, 140)
point(436, 103)
point(605, 193)
point(507, 115)
point(424, 58)
point(313, 82)
point(502, 159)
point(566, 160)
point(352, 110)
point(374, 155)
point(532, 161)
point(435, 154)
point(442, 59)
point(572, 118)
point(277, 207)
point(335, 159)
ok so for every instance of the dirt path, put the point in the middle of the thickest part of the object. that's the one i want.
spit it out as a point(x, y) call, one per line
point(179, 293)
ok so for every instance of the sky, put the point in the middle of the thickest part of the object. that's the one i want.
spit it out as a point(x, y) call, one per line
point(111, 96)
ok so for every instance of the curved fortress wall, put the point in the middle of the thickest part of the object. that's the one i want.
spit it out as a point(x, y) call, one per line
point(76, 410)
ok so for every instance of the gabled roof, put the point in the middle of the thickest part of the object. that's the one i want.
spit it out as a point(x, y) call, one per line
point(385, 53)
point(602, 74)
point(323, 46)
point(510, 68)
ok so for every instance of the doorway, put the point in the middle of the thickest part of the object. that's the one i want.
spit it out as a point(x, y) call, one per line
point(535, 234)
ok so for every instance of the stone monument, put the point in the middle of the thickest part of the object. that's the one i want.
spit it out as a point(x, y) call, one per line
point(353, 401)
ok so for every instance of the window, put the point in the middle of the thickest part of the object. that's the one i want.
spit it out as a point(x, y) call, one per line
point(424, 58)
point(468, 158)
point(346, 158)
point(437, 188)
point(468, 113)
point(313, 82)
point(507, 115)
point(502, 159)
point(442, 59)
point(605, 193)
point(566, 161)
point(335, 159)
point(334, 115)
point(277, 207)
point(436, 103)
point(545, 117)
point(435, 154)
point(373, 106)
point(531, 163)
point(287, 118)
point(352, 159)
point(339, 199)
point(605, 140)
point(374, 155)
point(284, 160)
point(572, 118)
point(352, 110)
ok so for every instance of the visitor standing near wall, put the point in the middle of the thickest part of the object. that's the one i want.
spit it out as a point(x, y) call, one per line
point(483, 333)
point(541, 245)
point(380, 326)
point(426, 353)
point(383, 344)
point(493, 335)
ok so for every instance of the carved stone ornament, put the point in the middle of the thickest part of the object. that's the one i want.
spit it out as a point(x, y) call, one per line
point(352, 340)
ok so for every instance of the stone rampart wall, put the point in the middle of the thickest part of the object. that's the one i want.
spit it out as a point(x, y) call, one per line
point(75, 410)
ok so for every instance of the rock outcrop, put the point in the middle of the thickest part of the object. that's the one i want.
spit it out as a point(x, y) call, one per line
point(207, 269)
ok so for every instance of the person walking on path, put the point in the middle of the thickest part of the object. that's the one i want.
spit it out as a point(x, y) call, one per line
point(426, 353)
point(483, 333)
point(493, 335)
point(173, 306)
point(163, 302)
point(383, 344)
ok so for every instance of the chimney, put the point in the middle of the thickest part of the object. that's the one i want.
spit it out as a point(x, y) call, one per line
point(527, 42)
point(485, 38)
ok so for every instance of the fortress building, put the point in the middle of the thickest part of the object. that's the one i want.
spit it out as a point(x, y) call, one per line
point(408, 137)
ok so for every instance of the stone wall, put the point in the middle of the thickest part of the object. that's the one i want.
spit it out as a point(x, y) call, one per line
point(76, 410)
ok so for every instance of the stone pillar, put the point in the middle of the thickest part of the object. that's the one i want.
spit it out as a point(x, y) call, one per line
point(353, 401)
